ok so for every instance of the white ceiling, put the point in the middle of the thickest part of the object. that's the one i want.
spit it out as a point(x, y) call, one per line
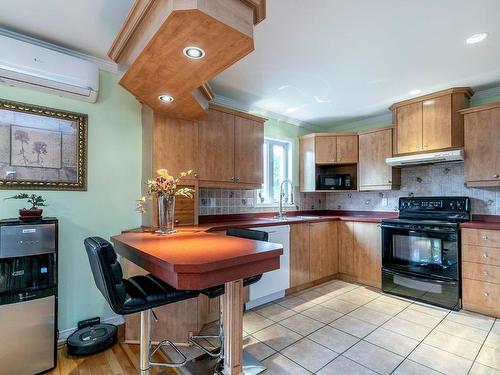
point(333, 61)
point(87, 26)
point(318, 61)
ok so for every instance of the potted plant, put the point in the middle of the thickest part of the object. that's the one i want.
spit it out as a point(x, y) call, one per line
point(164, 188)
point(36, 202)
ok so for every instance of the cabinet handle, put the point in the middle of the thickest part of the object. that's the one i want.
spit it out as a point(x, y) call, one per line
point(485, 238)
point(486, 294)
point(232, 178)
point(485, 255)
point(237, 178)
point(495, 176)
point(485, 273)
point(196, 175)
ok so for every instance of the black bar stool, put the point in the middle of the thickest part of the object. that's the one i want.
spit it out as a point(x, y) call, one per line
point(136, 294)
point(218, 291)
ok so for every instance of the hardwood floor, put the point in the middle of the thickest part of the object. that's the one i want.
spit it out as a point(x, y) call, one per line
point(120, 359)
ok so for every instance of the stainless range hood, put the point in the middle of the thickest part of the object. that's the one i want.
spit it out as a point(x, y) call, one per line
point(427, 158)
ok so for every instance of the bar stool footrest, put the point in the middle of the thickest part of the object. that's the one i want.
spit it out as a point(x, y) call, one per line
point(167, 364)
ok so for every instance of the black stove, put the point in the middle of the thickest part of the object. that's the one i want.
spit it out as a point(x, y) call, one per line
point(421, 250)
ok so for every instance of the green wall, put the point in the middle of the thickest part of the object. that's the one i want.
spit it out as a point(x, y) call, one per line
point(114, 178)
point(282, 130)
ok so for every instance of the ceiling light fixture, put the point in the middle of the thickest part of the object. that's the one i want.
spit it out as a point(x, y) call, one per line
point(166, 98)
point(415, 92)
point(476, 38)
point(194, 53)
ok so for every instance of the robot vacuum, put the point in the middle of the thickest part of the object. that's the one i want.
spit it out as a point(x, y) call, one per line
point(91, 339)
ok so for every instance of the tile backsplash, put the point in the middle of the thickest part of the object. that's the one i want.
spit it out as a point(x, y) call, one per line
point(426, 180)
point(225, 201)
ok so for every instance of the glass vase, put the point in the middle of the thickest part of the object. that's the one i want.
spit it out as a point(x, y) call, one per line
point(166, 213)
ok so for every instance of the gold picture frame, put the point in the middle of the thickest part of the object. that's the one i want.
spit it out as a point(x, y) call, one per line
point(42, 148)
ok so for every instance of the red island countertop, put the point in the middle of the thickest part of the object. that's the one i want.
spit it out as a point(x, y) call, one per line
point(193, 259)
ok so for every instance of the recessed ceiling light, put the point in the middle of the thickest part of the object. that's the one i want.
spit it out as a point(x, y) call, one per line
point(166, 98)
point(415, 92)
point(476, 38)
point(194, 53)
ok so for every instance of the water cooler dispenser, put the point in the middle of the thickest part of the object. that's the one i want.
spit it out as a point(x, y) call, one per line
point(28, 296)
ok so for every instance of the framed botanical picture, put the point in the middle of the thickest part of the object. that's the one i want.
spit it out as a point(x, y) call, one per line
point(42, 148)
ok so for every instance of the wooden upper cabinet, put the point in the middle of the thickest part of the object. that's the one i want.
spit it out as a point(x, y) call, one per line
point(374, 173)
point(174, 145)
point(436, 123)
point(482, 145)
point(409, 123)
point(307, 166)
point(230, 149)
point(323, 250)
point(326, 149)
point(347, 149)
point(336, 149)
point(248, 150)
point(216, 147)
point(430, 122)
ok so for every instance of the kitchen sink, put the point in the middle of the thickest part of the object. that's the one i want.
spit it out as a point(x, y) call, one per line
point(292, 218)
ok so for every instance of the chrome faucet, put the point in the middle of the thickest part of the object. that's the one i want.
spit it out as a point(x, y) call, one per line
point(282, 194)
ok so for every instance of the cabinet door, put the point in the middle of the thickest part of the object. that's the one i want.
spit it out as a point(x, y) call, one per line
point(216, 147)
point(323, 250)
point(326, 150)
point(248, 150)
point(346, 247)
point(409, 128)
point(436, 123)
point(374, 148)
point(482, 146)
point(299, 254)
point(307, 168)
point(347, 149)
point(174, 145)
point(368, 253)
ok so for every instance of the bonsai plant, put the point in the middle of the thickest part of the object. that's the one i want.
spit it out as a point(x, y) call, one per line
point(36, 202)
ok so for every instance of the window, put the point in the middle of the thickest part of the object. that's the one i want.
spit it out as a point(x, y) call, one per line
point(277, 167)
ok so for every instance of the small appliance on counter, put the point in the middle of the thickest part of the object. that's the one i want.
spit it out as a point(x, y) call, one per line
point(334, 181)
point(28, 296)
point(421, 250)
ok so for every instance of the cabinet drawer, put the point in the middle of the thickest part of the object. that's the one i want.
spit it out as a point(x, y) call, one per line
point(481, 254)
point(481, 237)
point(482, 272)
point(481, 294)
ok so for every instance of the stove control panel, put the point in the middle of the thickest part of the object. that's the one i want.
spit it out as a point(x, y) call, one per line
point(453, 208)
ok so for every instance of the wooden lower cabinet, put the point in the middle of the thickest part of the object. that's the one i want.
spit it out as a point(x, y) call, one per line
point(346, 247)
point(481, 271)
point(323, 254)
point(360, 252)
point(326, 249)
point(299, 255)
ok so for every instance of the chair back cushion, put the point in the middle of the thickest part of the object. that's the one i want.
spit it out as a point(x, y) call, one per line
point(108, 275)
point(251, 234)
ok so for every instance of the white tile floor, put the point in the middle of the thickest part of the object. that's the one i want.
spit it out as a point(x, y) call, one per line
point(347, 329)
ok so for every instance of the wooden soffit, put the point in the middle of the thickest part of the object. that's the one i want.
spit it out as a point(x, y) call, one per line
point(151, 41)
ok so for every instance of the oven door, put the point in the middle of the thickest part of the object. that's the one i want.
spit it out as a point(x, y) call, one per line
point(429, 290)
point(429, 251)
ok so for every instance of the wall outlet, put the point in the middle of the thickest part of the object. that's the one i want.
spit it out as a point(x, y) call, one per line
point(385, 202)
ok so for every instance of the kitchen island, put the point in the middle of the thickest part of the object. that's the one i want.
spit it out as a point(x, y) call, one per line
point(192, 260)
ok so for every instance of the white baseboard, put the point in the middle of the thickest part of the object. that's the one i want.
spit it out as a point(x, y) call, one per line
point(63, 335)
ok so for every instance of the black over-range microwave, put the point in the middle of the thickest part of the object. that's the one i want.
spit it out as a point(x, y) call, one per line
point(334, 182)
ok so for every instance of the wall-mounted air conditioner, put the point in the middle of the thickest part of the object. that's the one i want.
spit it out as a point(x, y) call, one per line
point(28, 65)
